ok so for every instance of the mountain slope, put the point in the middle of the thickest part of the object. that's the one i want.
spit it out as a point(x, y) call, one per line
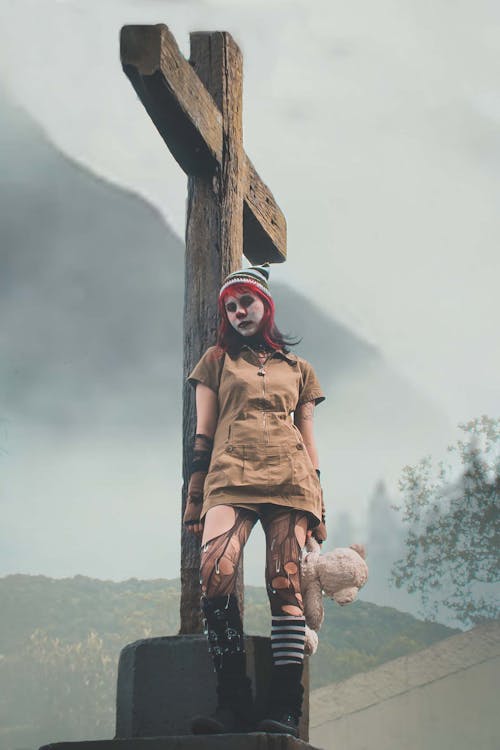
point(69, 609)
point(91, 290)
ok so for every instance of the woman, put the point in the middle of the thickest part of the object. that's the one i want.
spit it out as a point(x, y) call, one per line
point(254, 459)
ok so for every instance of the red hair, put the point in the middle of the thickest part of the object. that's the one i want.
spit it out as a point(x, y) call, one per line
point(229, 340)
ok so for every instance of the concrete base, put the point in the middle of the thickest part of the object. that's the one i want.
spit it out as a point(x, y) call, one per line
point(256, 741)
point(164, 682)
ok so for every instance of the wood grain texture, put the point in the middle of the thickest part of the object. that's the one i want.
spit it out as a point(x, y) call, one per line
point(187, 102)
point(197, 108)
point(264, 225)
point(202, 280)
point(214, 241)
point(180, 106)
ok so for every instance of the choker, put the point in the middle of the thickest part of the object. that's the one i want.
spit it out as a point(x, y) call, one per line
point(257, 346)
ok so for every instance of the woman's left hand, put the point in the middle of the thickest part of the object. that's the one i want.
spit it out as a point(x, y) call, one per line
point(319, 533)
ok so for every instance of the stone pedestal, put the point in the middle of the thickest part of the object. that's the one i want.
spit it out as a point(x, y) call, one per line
point(164, 682)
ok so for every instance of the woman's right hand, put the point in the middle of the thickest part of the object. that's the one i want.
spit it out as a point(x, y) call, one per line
point(194, 503)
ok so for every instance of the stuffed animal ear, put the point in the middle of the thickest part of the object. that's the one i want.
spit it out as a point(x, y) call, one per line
point(360, 549)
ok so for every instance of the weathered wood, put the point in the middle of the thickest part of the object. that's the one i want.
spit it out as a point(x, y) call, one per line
point(218, 63)
point(201, 280)
point(197, 108)
point(187, 111)
point(214, 245)
point(182, 110)
point(264, 225)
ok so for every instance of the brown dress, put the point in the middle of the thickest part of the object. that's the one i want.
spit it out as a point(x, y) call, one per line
point(259, 455)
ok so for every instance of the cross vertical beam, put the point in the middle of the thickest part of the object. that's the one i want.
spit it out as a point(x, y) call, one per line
point(214, 248)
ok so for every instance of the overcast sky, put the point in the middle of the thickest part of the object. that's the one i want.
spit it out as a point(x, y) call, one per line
point(376, 125)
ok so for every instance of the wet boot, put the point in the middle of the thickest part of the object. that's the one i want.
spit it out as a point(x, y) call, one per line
point(285, 701)
point(234, 712)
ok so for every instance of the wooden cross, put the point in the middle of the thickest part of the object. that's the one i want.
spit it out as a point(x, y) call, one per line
point(196, 106)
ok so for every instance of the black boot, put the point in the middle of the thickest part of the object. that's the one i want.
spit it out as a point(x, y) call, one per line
point(285, 701)
point(234, 712)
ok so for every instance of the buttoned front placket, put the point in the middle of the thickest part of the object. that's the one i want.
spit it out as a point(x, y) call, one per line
point(262, 372)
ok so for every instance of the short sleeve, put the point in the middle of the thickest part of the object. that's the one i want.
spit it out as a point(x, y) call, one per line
point(208, 370)
point(310, 389)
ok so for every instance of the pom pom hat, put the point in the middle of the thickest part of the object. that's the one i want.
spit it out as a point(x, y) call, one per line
point(257, 276)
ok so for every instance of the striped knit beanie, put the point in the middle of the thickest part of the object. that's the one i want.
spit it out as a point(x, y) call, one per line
point(255, 275)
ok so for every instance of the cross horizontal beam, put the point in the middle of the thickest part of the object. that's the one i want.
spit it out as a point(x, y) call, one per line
point(190, 123)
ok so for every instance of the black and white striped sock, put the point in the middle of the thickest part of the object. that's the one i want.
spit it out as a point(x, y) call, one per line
point(287, 639)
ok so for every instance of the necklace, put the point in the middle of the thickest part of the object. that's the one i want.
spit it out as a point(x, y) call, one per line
point(262, 358)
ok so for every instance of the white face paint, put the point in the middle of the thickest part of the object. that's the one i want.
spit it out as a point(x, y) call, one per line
point(245, 312)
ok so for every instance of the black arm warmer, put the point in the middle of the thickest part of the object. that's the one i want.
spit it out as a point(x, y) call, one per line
point(202, 452)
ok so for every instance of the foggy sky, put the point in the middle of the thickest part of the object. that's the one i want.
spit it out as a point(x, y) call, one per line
point(90, 370)
point(376, 127)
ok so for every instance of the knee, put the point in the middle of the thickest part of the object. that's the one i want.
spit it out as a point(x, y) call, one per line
point(284, 592)
point(288, 604)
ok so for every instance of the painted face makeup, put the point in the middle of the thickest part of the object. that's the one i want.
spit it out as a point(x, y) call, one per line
point(245, 312)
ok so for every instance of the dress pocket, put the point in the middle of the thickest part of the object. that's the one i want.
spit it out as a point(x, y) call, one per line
point(256, 470)
point(266, 469)
point(226, 469)
point(280, 430)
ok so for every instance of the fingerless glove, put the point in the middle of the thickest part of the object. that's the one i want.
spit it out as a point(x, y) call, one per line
point(202, 452)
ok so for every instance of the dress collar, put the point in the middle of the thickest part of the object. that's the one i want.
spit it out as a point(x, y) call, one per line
point(287, 356)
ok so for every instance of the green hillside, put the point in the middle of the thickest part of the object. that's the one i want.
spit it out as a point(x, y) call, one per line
point(60, 641)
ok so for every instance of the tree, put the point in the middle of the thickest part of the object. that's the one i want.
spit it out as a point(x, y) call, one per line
point(453, 528)
point(385, 544)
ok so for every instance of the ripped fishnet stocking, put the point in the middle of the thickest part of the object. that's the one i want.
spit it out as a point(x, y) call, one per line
point(220, 556)
point(283, 561)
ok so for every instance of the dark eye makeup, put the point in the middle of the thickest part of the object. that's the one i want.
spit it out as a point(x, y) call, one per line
point(245, 301)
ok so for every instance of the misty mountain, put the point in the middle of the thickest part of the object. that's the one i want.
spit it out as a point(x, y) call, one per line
point(69, 609)
point(91, 295)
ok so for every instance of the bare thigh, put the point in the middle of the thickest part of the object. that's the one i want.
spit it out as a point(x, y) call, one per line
point(225, 534)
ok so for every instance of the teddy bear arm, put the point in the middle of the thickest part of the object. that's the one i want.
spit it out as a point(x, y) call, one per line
point(313, 605)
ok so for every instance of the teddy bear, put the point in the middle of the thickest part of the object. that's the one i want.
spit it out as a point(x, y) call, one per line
point(339, 574)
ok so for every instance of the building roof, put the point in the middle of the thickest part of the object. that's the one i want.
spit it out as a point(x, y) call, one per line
point(451, 655)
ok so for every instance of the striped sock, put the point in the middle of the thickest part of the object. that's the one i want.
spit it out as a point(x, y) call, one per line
point(287, 639)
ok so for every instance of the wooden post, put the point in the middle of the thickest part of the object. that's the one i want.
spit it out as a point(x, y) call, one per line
point(197, 108)
point(214, 248)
